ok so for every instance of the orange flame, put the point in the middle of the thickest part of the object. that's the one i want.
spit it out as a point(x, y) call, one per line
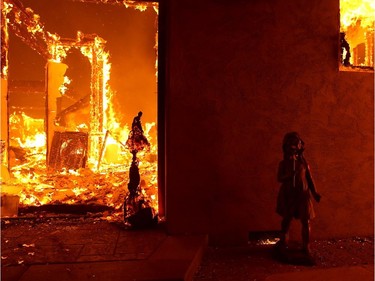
point(108, 184)
point(357, 22)
point(352, 11)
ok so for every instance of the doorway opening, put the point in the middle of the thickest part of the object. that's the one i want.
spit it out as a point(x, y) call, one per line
point(77, 73)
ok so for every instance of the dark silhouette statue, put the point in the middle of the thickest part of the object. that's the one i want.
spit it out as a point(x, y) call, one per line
point(297, 187)
point(344, 45)
point(137, 125)
point(137, 212)
point(137, 141)
point(134, 179)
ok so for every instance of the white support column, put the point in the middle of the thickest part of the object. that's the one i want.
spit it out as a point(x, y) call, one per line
point(55, 78)
point(4, 131)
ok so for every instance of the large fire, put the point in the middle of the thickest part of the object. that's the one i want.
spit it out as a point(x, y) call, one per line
point(357, 22)
point(104, 177)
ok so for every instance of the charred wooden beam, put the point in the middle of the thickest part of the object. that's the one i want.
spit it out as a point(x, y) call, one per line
point(27, 26)
point(60, 117)
point(4, 42)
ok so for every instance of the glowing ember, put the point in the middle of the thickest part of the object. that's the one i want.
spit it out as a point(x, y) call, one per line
point(268, 241)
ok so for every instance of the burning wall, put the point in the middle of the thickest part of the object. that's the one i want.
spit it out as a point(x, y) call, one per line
point(100, 184)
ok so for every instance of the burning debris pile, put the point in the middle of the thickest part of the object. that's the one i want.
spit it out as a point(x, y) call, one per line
point(79, 185)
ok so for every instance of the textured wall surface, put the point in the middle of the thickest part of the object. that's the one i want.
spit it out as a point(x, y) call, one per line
point(240, 75)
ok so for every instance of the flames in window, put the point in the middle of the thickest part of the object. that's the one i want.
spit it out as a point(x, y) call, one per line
point(357, 25)
point(77, 155)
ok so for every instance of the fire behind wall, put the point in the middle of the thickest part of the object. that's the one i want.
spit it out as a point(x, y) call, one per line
point(130, 40)
point(357, 25)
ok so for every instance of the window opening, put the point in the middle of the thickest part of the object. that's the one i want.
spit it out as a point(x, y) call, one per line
point(357, 34)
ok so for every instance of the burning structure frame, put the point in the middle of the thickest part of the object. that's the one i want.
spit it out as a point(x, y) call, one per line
point(27, 26)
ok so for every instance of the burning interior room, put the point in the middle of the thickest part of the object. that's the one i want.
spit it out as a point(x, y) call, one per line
point(75, 76)
point(357, 34)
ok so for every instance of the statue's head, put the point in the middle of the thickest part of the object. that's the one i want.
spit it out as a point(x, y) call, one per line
point(293, 144)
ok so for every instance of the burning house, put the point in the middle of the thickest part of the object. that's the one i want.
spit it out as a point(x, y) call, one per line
point(232, 78)
point(69, 147)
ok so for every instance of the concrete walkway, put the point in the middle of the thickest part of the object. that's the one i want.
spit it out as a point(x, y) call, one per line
point(347, 259)
point(351, 273)
point(86, 250)
point(81, 249)
point(175, 259)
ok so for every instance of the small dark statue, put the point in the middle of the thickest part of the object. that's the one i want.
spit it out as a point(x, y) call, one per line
point(294, 197)
point(137, 212)
point(344, 47)
point(137, 141)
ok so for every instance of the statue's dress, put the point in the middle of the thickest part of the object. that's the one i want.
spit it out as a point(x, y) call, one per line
point(294, 201)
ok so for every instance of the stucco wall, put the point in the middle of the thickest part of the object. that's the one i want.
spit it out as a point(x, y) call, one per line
point(240, 75)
